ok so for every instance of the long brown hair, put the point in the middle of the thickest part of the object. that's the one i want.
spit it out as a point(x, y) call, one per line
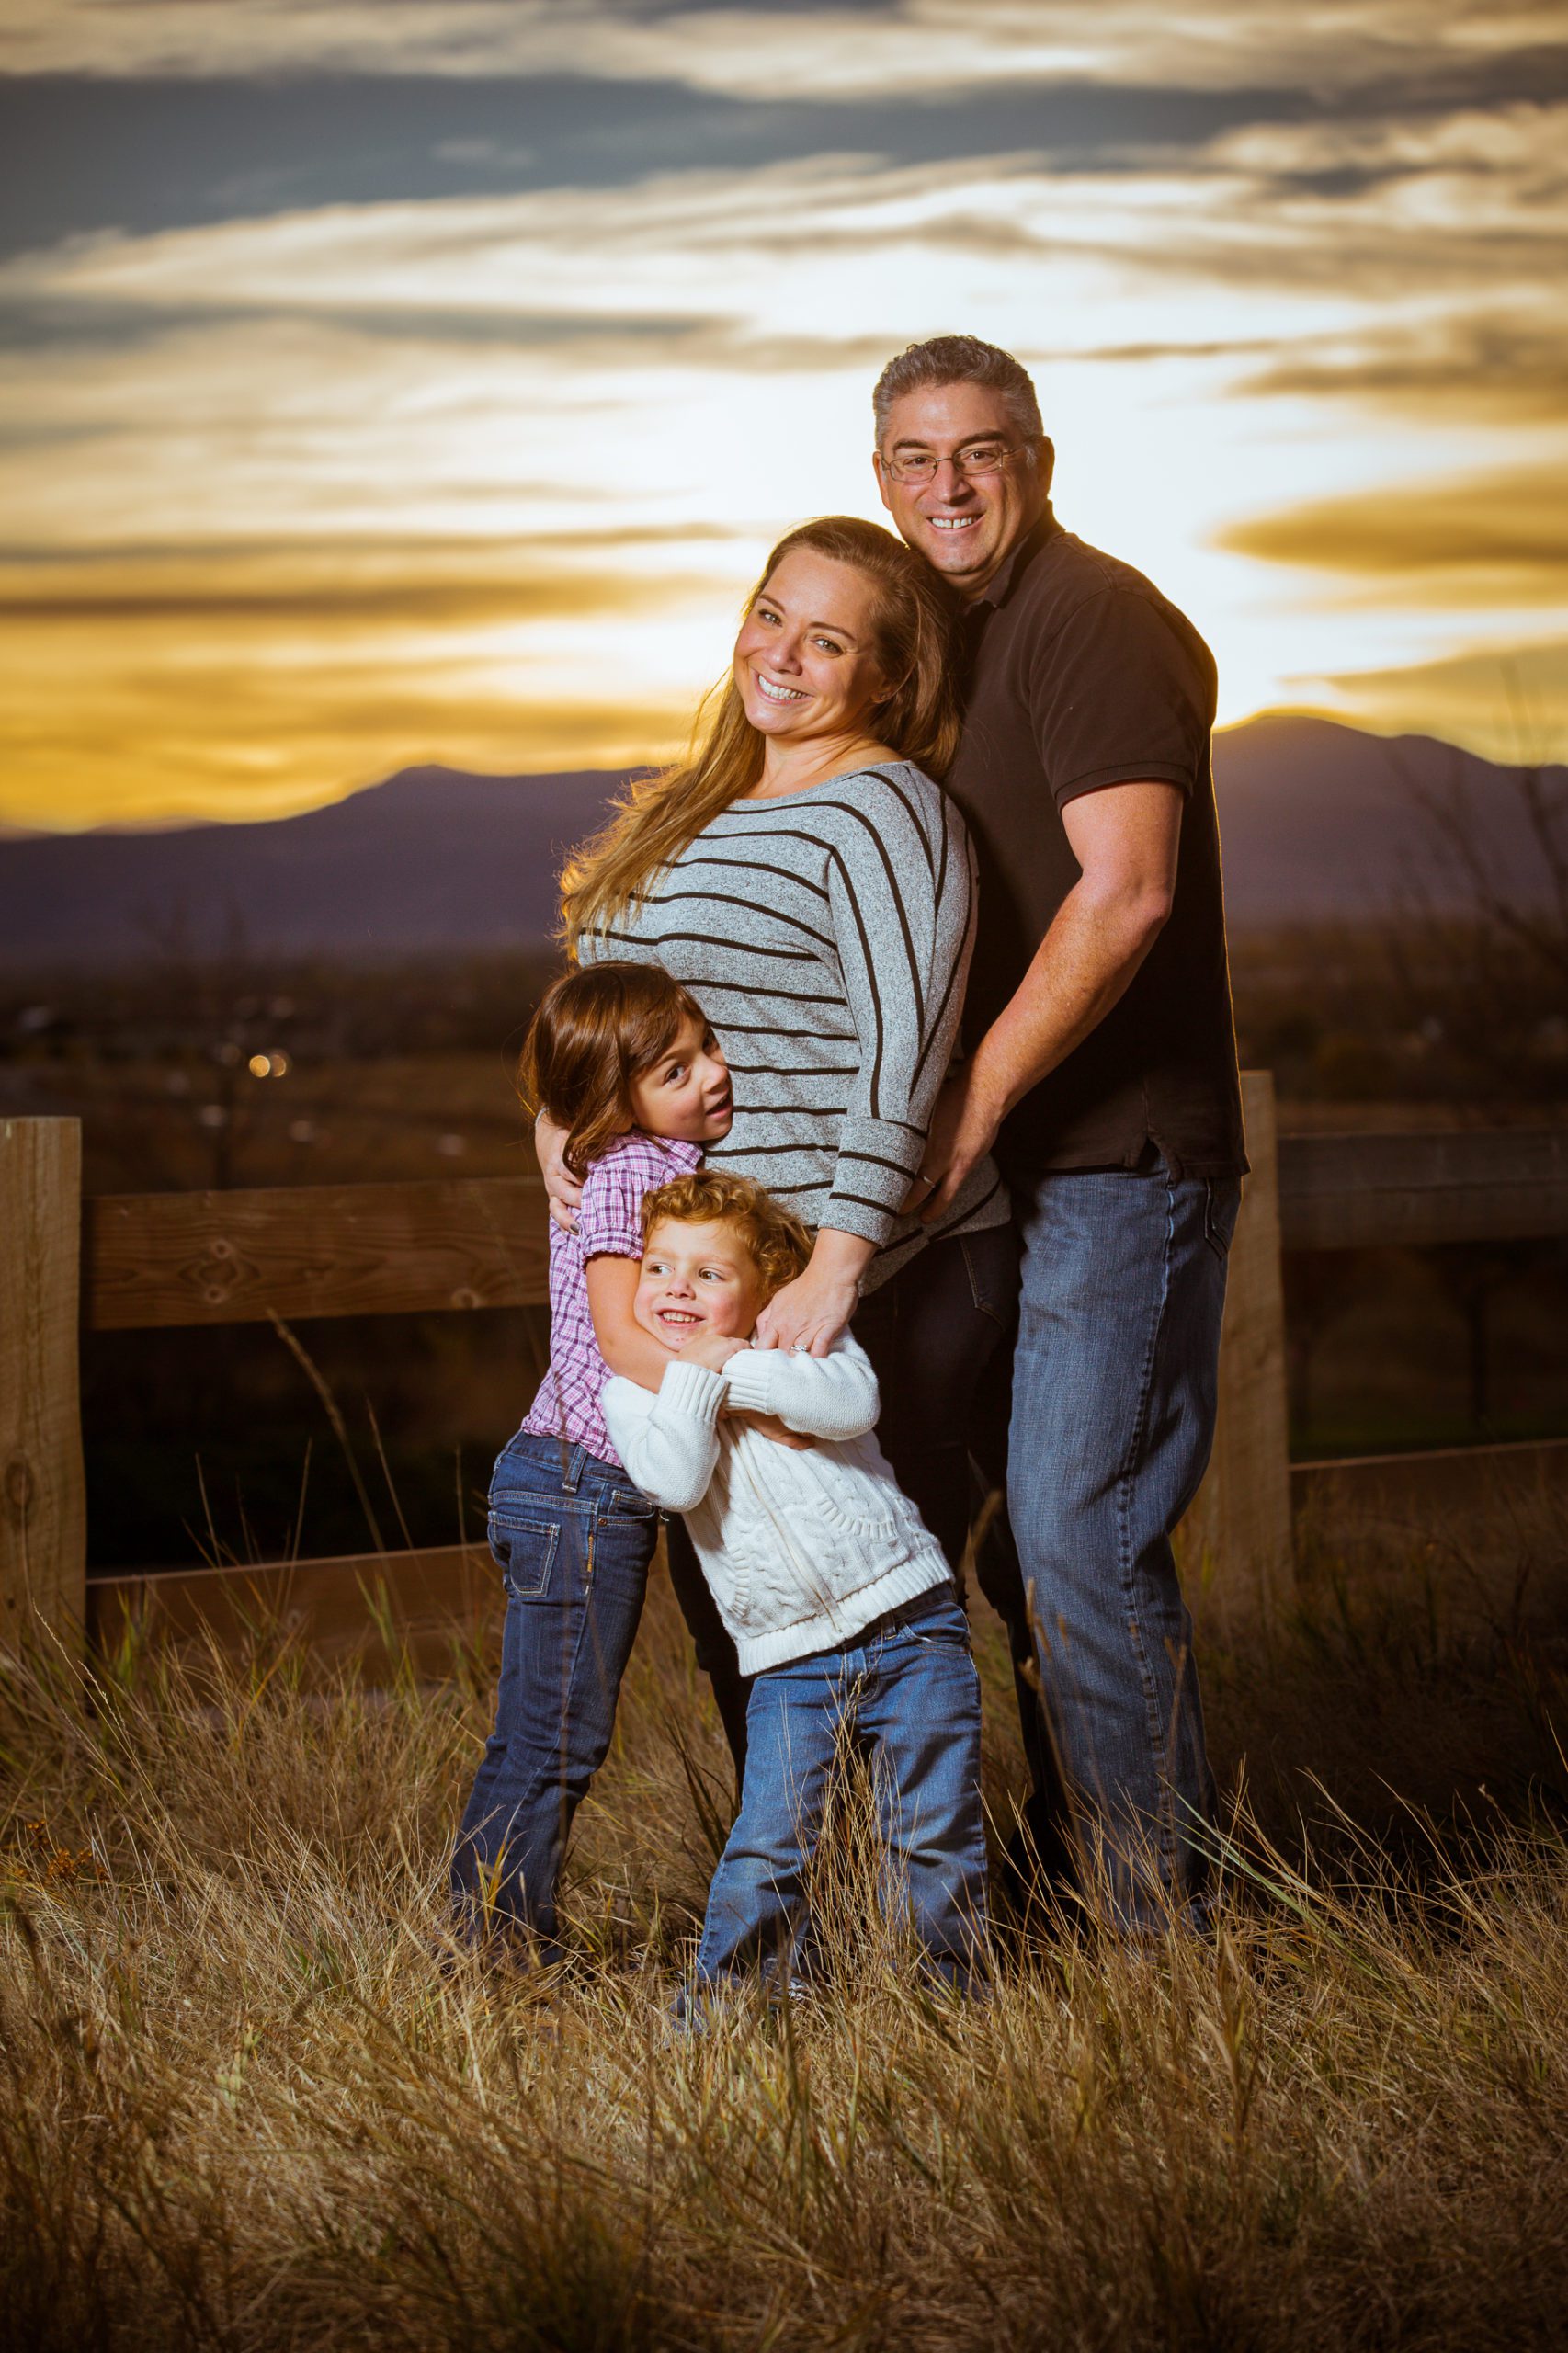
point(914, 619)
point(596, 1030)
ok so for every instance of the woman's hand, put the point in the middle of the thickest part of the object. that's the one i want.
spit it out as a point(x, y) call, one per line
point(808, 1314)
point(562, 1189)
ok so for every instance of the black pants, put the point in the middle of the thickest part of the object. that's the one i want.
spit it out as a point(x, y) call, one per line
point(931, 1333)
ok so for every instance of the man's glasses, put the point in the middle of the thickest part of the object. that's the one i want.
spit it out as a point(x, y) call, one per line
point(979, 458)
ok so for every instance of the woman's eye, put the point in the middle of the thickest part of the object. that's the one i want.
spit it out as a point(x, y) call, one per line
point(828, 646)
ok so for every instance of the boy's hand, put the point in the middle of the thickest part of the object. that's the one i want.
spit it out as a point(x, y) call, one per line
point(562, 1190)
point(715, 1350)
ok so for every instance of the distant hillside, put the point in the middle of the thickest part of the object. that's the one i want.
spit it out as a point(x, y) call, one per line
point(1317, 820)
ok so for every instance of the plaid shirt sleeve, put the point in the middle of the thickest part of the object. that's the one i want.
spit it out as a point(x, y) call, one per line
point(609, 1216)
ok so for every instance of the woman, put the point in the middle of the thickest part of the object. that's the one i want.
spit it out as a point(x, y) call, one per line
point(802, 874)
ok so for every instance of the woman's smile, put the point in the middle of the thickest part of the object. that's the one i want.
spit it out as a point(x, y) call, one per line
point(805, 662)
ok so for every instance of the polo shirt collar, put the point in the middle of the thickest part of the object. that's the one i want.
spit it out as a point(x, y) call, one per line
point(1034, 539)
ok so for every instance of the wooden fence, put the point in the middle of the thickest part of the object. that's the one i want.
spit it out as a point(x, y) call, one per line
point(140, 1261)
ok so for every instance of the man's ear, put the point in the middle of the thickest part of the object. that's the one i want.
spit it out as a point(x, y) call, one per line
point(882, 480)
point(1045, 464)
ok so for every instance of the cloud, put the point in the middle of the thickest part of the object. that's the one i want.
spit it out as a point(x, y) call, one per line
point(1500, 364)
point(1507, 700)
point(1492, 540)
point(301, 493)
point(919, 50)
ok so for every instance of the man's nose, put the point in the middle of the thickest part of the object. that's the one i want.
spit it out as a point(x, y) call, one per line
point(959, 481)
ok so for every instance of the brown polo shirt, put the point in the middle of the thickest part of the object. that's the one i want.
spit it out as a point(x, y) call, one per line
point(1079, 675)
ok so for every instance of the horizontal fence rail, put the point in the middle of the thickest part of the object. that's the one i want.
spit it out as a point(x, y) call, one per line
point(1358, 1192)
point(152, 1259)
point(164, 1258)
point(168, 1260)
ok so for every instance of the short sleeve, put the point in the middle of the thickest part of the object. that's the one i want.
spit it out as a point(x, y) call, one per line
point(1122, 691)
point(609, 1216)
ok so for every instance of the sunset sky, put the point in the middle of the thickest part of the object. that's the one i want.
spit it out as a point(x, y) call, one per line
point(425, 379)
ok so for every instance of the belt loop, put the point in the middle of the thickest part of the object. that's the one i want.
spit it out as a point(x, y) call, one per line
point(573, 1473)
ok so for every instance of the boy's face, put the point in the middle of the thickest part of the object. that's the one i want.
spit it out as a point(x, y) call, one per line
point(685, 1095)
point(698, 1281)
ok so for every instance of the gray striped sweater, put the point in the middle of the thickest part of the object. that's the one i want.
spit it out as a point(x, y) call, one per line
point(827, 936)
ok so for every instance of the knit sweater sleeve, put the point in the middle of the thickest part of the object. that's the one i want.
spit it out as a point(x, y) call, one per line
point(902, 895)
point(669, 1443)
point(833, 1396)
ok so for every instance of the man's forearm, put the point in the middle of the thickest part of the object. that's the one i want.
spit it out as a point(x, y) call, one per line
point(1084, 963)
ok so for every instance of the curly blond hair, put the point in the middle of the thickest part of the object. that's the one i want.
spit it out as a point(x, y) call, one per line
point(777, 1242)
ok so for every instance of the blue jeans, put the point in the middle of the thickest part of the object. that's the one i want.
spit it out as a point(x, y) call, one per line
point(1114, 1393)
point(906, 1690)
point(573, 1538)
point(931, 1332)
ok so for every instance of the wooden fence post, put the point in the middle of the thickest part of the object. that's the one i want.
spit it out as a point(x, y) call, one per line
point(1236, 1541)
point(44, 1514)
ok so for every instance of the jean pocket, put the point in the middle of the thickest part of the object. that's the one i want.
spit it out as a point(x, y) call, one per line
point(628, 1503)
point(1221, 1204)
point(991, 1262)
point(524, 1550)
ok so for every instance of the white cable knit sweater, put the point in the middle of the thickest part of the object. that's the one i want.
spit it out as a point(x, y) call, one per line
point(801, 1549)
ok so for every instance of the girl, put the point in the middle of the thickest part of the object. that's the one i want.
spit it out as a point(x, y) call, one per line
point(622, 1059)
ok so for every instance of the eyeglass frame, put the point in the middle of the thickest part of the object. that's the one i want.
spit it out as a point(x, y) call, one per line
point(955, 457)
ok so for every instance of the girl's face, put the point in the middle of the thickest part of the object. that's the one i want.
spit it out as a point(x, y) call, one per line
point(696, 1281)
point(685, 1095)
point(805, 662)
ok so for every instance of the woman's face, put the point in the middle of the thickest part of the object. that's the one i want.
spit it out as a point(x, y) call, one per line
point(805, 660)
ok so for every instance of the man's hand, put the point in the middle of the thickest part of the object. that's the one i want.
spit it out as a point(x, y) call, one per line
point(562, 1189)
point(963, 1128)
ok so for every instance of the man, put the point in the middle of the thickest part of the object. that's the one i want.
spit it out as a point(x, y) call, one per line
point(1102, 1070)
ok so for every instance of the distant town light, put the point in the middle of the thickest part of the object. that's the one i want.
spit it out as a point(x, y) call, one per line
point(213, 1115)
point(451, 1147)
point(261, 1065)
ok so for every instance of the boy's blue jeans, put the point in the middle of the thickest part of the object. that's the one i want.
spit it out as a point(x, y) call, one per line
point(906, 1690)
point(574, 1540)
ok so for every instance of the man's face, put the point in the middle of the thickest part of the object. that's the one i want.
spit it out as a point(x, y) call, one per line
point(966, 526)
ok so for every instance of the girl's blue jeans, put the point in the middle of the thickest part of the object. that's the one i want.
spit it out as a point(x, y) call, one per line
point(906, 1690)
point(573, 1538)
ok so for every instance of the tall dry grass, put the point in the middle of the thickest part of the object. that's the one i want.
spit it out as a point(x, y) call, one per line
point(248, 2102)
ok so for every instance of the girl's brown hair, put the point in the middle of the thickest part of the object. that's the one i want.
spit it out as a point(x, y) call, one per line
point(596, 1030)
point(778, 1244)
point(919, 718)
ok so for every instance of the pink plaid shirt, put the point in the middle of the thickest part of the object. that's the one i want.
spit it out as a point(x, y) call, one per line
point(609, 1221)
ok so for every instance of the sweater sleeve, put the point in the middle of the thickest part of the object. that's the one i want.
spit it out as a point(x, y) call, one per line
point(669, 1443)
point(902, 895)
point(833, 1396)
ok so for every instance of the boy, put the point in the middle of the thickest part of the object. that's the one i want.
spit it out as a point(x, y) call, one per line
point(839, 1599)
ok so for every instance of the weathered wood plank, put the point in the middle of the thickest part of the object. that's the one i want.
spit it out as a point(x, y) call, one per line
point(338, 1608)
point(237, 1258)
point(1236, 1541)
point(44, 1509)
point(1349, 1192)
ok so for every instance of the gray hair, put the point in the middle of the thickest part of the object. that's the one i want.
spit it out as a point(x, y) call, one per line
point(959, 360)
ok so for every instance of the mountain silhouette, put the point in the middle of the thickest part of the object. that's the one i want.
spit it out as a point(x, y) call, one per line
point(1317, 821)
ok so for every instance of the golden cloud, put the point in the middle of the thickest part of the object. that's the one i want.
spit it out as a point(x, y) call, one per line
point(1507, 700)
point(922, 48)
point(1493, 539)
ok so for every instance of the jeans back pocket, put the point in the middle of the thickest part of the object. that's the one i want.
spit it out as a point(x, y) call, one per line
point(524, 1550)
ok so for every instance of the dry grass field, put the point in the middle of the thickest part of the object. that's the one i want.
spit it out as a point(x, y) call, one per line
point(250, 2101)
